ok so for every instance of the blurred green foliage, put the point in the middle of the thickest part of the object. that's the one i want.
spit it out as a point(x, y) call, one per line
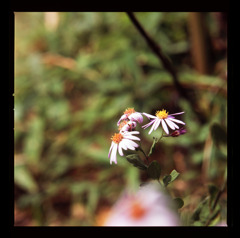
point(74, 79)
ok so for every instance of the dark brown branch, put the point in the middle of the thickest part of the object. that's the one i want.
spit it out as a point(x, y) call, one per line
point(168, 66)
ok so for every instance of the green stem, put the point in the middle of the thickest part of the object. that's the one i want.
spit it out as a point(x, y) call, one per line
point(140, 148)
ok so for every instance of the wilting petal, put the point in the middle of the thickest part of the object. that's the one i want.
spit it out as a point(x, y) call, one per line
point(171, 124)
point(165, 128)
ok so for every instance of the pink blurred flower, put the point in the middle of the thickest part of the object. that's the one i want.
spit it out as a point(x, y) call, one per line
point(150, 206)
point(166, 120)
point(122, 141)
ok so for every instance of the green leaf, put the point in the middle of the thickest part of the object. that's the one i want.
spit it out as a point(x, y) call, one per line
point(213, 191)
point(153, 146)
point(154, 170)
point(135, 160)
point(170, 178)
point(24, 179)
point(179, 202)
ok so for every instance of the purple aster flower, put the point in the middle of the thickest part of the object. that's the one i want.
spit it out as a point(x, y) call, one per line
point(166, 120)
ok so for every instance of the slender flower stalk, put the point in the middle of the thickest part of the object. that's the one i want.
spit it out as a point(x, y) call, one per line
point(162, 117)
point(122, 141)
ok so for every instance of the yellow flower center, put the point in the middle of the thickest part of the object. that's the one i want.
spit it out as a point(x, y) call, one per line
point(129, 111)
point(137, 211)
point(163, 114)
point(117, 137)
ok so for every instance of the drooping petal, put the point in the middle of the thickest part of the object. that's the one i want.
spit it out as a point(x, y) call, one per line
point(165, 128)
point(171, 124)
point(148, 115)
point(148, 124)
point(120, 149)
point(113, 157)
point(177, 121)
point(153, 126)
point(110, 149)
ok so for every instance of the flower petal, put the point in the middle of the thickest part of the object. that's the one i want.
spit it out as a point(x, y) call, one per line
point(177, 121)
point(164, 126)
point(153, 126)
point(171, 124)
point(110, 149)
point(113, 157)
point(148, 124)
point(136, 116)
point(132, 137)
point(130, 144)
point(132, 132)
point(149, 115)
point(178, 113)
point(123, 117)
point(120, 149)
point(123, 145)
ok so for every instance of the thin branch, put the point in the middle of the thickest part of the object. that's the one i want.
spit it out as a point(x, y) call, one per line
point(156, 49)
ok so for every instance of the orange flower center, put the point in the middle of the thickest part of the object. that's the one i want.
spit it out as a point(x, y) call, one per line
point(122, 124)
point(137, 211)
point(117, 137)
point(129, 111)
point(163, 114)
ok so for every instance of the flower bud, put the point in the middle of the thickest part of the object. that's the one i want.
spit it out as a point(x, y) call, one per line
point(179, 132)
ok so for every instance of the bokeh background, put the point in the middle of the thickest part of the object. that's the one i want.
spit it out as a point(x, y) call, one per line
point(75, 74)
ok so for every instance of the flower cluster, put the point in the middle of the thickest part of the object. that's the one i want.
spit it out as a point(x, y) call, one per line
point(125, 138)
point(127, 123)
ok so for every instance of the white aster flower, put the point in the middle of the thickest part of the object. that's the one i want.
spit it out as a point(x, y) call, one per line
point(121, 141)
point(150, 206)
point(131, 115)
point(166, 120)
